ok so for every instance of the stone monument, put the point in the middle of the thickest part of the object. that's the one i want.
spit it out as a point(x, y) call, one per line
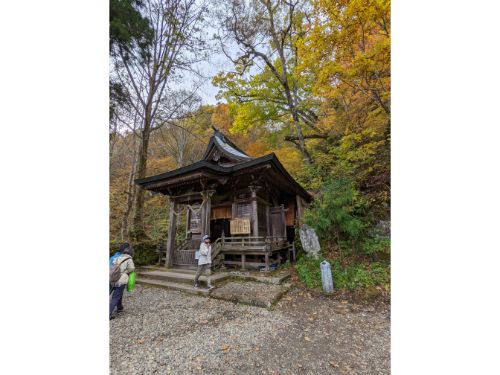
point(309, 240)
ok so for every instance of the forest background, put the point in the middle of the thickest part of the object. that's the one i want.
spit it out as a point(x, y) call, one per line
point(307, 80)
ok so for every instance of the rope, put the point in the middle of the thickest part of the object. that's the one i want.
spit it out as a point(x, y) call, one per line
point(191, 208)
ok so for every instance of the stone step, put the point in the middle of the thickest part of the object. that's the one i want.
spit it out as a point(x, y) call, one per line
point(186, 277)
point(182, 287)
point(165, 269)
point(275, 279)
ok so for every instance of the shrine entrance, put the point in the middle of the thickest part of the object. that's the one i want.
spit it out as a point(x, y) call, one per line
point(218, 227)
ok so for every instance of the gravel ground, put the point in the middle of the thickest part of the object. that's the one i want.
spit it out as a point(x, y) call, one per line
point(250, 292)
point(169, 332)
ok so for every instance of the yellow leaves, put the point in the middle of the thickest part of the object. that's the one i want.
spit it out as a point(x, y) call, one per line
point(257, 148)
point(290, 158)
point(221, 117)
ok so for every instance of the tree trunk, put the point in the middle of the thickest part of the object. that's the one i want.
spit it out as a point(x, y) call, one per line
point(298, 126)
point(142, 159)
point(300, 136)
point(125, 234)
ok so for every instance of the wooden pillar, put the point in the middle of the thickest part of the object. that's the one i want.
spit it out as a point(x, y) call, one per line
point(205, 212)
point(233, 208)
point(255, 217)
point(299, 209)
point(188, 220)
point(243, 259)
point(172, 226)
point(268, 221)
point(283, 219)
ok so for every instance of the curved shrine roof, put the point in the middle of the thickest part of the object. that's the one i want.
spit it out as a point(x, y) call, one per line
point(236, 159)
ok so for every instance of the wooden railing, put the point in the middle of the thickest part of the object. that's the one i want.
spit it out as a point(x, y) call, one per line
point(216, 251)
point(184, 258)
point(265, 243)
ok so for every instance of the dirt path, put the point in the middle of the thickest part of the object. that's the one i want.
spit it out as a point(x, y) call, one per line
point(169, 332)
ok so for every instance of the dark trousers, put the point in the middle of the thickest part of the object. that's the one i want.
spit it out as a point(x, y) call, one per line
point(120, 305)
point(116, 298)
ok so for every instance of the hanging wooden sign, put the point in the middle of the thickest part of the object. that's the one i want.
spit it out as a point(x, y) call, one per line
point(240, 226)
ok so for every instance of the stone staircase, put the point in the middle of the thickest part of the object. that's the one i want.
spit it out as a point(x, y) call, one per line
point(251, 288)
point(177, 279)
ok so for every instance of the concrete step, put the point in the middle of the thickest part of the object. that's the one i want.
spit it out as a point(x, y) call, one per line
point(182, 287)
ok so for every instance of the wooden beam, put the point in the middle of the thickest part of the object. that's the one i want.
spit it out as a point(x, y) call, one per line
point(171, 234)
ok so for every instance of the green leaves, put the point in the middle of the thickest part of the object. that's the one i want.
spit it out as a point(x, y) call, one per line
point(127, 26)
point(338, 212)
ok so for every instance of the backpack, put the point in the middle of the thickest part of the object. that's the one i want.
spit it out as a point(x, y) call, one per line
point(115, 272)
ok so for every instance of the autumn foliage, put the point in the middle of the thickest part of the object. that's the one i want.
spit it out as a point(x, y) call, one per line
point(311, 84)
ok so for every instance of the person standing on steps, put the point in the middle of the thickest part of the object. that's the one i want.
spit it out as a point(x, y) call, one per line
point(204, 262)
point(126, 264)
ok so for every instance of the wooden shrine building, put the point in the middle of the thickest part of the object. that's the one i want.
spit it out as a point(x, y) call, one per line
point(248, 206)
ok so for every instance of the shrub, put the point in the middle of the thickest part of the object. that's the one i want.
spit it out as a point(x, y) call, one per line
point(379, 246)
point(309, 271)
point(354, 276)
point(339, 212)
point(145, 252)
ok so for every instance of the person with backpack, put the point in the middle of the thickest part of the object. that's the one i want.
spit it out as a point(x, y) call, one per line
point(123, 246)
point(204, 261)
point(119, 270)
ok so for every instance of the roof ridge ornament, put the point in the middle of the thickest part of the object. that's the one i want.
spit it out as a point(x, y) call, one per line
point(225, 147)
point(217, 132)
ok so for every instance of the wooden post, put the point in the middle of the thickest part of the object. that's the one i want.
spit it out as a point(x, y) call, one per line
point(268, 221)
point(299, 209)
point(202, 219)
point(233, 208)
point(255, 217)
point(208, 211)
point(188, 220)
point(283, 219)
point(243, 259)
point(205, 212)
point(171, 234)
point(267, 261)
